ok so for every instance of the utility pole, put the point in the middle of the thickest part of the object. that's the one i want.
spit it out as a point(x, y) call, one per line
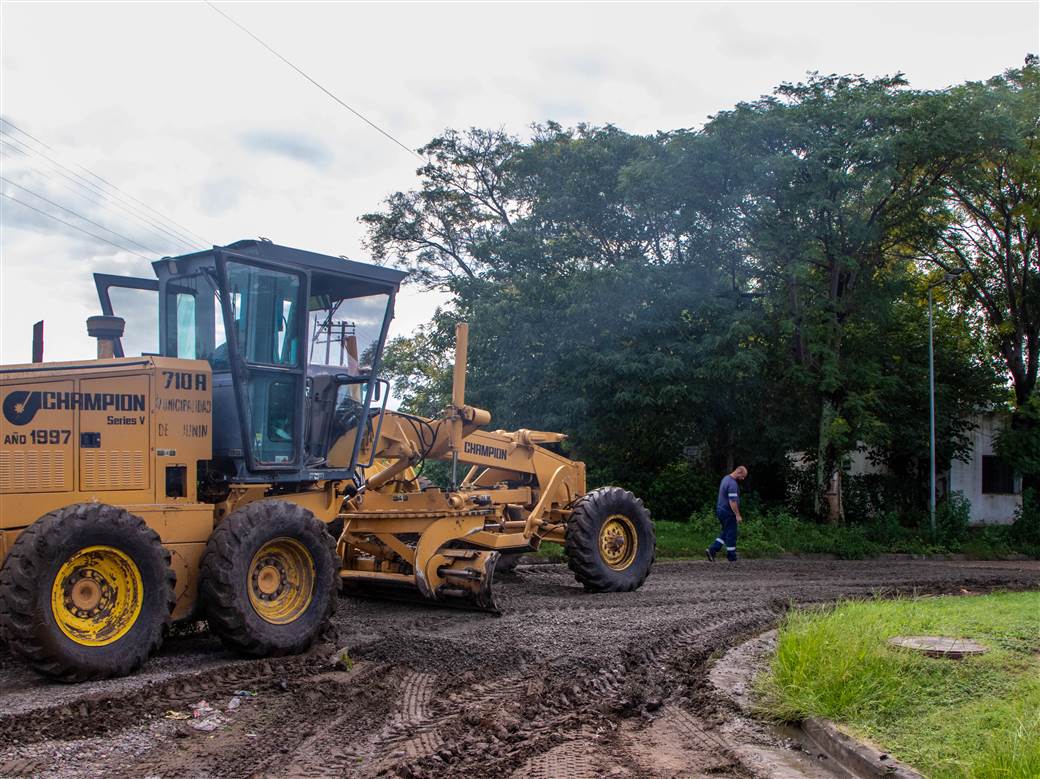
point(949, 276)
point(931, 411)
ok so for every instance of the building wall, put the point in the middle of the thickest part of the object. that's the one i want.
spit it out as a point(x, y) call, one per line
point(966, 478)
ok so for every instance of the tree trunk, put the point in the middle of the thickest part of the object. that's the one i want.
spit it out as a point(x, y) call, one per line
point(827, 498)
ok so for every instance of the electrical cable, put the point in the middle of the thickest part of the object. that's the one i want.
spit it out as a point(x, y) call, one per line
point(94, 190)
point(75, 227)
point(184, 230)
point(80, 216)
point(352, 110)
point(77, 189)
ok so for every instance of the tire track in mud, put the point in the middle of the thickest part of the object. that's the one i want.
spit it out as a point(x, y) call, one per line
point(412, 732)
point(559, 711)
point(98, 714)
point(676, 659)
point(333, 745)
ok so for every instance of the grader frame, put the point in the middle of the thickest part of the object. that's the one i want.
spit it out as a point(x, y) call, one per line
point(515, 494)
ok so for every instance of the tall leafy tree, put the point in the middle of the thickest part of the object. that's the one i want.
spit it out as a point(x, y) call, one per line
point(989, 222)
point(744, 288)
point(839, 171)
point(441, 231)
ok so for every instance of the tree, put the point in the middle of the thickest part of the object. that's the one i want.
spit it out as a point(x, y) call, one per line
point(743, 288)
point(989, 222)
point(839, 172)
point(439, 232)
point(419, 366)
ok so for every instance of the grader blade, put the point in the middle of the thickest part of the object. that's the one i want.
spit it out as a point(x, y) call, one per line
point(467, 576)
point(460, 578)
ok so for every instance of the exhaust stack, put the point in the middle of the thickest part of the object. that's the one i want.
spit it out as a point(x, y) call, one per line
point(37, 342)
point(107, 330)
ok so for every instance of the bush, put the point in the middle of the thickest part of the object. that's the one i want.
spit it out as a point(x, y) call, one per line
point(952, 517)
point(1026, 530)
point(678, 490)
point(779, 532)
point(866, 497)
point(765, 535)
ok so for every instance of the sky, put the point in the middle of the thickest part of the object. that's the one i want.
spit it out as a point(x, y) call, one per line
point(197, 123)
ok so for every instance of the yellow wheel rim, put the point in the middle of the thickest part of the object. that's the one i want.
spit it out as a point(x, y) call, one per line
point(281, 581)
point(97, 595)
point(618, 542)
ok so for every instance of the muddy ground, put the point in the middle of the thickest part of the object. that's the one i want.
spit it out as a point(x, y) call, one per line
point(563, 684)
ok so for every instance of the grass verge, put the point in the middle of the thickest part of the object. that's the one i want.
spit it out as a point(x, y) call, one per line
point(771, 535)
point(977, 717)
point(778, 533)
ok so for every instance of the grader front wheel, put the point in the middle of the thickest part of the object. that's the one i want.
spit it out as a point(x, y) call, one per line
point(610, 541)
point(268, 579)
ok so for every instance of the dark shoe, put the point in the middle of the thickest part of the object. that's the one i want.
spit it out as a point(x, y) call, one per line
point(710, 554)
point(732, 558)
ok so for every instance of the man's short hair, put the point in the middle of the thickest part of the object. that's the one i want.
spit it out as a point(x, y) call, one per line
point(741, 468)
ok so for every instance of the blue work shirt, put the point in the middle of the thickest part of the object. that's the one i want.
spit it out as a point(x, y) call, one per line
point(729, 490)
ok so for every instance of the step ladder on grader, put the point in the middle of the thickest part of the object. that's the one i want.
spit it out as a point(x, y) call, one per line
point(245, 467)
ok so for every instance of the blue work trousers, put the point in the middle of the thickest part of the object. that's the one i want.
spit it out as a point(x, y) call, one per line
point(728, 537)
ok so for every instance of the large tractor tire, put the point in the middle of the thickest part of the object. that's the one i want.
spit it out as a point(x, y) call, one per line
point(86, 593)
point(610, 541)
point(268, 578)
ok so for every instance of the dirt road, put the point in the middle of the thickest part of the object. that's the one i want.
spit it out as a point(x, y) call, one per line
point(564, 684)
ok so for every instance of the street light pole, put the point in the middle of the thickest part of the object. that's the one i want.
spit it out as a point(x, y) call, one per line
point(931, 411)
point(948, 276)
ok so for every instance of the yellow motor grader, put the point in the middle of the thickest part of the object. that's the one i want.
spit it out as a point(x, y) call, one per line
point(245, 466)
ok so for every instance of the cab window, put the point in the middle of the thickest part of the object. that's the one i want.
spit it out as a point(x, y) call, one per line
point(345, 331)
point(264, 307)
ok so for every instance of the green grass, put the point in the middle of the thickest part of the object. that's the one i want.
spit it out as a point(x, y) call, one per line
point(777, 533)
point(977, 717)
point(774, 534)
point(766, 536)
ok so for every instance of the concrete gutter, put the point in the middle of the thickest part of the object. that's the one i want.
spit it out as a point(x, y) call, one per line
point(859, 758)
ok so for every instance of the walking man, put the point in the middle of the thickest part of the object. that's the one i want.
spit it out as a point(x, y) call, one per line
point(727, 509)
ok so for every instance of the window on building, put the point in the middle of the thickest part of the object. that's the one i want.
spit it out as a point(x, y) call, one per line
point(998, 478)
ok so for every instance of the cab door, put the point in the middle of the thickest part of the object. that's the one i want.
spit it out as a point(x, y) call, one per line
point(264, 309)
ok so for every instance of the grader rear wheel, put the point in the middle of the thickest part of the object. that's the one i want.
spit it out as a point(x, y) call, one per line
point(268, 578)
point(610, 541)
point(86, 593)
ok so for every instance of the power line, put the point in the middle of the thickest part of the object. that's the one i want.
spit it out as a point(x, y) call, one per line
point(189, 233)
point(80, 216)
point(352, 110)
point(74, 227)
point(94, 190)
point(79, 190)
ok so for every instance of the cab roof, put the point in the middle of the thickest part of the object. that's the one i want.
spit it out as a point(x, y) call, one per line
point(312, 261)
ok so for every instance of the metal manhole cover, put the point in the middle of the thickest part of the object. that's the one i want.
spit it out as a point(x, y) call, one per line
point(939, 646)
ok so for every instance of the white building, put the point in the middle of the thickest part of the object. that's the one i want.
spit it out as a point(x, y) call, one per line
point(994, 490)
point(986, 481)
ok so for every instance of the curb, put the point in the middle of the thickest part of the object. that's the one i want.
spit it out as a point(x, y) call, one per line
point(861, 760)
point(819, 739)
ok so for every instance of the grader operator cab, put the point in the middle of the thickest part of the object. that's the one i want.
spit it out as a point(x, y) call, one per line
point(246, 466)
